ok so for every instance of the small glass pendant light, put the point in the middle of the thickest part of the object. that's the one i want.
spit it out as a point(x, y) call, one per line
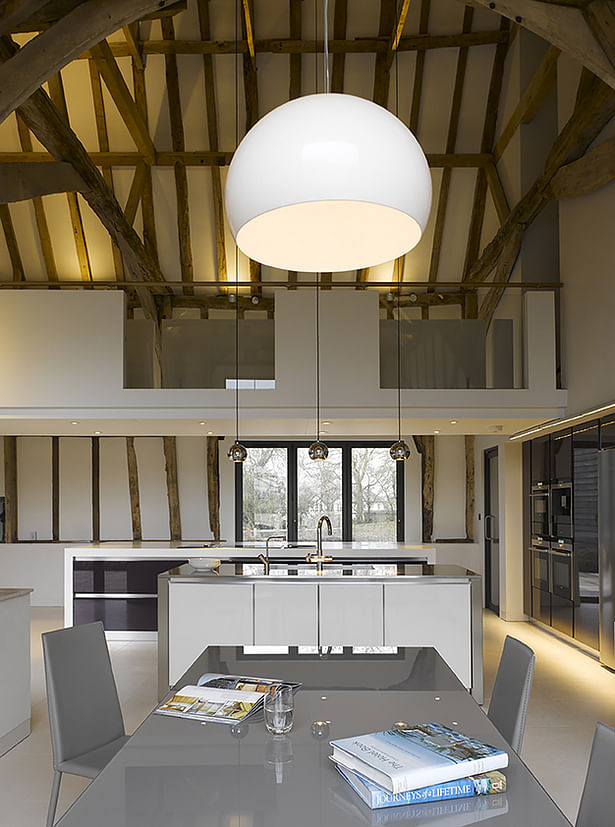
point(318, 449)
point(237, 452)
point(399, 450)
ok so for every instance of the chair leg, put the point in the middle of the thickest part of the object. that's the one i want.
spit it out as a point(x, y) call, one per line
point(53, 801)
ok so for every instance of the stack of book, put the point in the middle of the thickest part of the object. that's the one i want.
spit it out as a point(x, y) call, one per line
point(418, 764)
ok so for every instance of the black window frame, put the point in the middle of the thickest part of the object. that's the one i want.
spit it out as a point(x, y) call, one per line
point(291, 447)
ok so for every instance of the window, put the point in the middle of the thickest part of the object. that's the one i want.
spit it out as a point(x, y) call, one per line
point(280, 490)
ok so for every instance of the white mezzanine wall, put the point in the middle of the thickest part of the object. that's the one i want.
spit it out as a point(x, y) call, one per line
point(449, 490)
point(75, 477)
point(34, 488)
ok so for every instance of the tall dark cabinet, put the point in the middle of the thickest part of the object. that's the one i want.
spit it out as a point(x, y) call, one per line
point(585, 444)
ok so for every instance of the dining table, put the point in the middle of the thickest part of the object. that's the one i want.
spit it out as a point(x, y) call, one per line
point(176, 772)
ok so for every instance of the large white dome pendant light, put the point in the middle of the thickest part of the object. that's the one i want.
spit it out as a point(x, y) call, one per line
point(326, 183)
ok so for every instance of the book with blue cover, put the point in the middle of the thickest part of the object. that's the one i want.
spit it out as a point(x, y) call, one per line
point(488, 783)
point(418, 756)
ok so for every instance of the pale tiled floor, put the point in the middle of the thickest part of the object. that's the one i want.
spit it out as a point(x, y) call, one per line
point(570, 693)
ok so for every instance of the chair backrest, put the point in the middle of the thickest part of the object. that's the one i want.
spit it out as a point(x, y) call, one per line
point(598, 798)
point(84, 708)
point(511, 691)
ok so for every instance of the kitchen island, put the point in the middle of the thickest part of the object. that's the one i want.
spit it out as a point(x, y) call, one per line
point(116, 581)
point(15, 660)
point(311, 609)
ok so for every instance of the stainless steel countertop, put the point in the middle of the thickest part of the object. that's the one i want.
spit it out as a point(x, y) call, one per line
point(176, 772)
point(9, 594)
point(410, 573)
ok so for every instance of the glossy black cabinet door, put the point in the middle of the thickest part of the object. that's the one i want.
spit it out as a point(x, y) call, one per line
point(585, 500)
point(607, 432)
point(541, 465)
point(121, 576)
point(541, 606)
point(118, 614)
point(561, 456)
point(562, 614)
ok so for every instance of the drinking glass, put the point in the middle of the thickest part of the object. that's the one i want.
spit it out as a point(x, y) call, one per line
point(279, 709)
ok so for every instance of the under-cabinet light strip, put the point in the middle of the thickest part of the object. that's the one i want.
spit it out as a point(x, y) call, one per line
point(553, 424)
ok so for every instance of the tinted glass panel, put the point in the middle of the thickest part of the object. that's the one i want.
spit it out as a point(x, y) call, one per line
point(265, 498)
point(374, 495)
point(319, 491)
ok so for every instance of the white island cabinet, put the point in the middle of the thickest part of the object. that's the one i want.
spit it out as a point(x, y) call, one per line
point(399, 605)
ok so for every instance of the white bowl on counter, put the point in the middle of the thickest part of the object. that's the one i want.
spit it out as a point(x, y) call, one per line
point(203, 563)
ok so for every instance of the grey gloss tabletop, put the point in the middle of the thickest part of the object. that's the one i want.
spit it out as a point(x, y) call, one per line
point(180, 773)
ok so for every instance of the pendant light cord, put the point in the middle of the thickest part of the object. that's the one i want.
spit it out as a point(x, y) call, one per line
point(317, 357)
point(399, 271)
point(236, 246)
point(326, 39)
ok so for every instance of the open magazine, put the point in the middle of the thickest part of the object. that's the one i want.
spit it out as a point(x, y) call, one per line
point(225, 699)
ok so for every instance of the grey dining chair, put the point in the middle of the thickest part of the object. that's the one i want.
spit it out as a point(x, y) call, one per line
point(85, 718)
point(511, 691)
point(598, 797)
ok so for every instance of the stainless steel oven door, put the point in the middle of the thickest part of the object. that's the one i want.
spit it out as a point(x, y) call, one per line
point(540, 568)
point(562, 574)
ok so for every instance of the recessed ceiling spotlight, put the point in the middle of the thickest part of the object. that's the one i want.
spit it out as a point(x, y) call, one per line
point(413, 297)
point(436, 432)
point(326, 422)
point(74, 422)
point(453, 421)
point(210, 433)
point(202, 423)
point(96, 433)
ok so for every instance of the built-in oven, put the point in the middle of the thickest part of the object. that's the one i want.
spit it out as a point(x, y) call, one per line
point(540, 565)
point(541, 526)
point(560, 507)
point(562, 570)
point(562, 587)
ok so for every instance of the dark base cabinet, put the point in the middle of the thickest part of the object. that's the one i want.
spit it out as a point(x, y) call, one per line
point(562, 614)
point(541, 606)
point(121, 593)
point(118, 614)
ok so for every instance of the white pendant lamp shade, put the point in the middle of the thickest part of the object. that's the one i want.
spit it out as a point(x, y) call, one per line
point(327, 183)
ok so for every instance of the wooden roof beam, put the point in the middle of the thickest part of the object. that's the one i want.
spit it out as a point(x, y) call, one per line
point(419, 69)
point(295, 14)
point(397, 31)
point(44, 120)
point(15, 12)
point(384, 59)
point(212, 132)
point(40, 216)
point(594, 110)
point(21, 182)
point(288, 46)
point(115, 83)
point(340, 20)
point(248, 16)
point(11, 243)
point(250, 85)
point(103, 145)
point(532, 97)
point(451, 140)
point(487, 140)
point(587, 174)
point(43, 56)
point(181, 177)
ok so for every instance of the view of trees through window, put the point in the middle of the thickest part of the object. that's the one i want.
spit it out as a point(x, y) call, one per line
point(319, 491)
point(316, 489)
point(265, 493)
point(374, 495)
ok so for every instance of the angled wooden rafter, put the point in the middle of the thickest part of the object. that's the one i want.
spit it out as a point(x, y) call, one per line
point(11, 243)
point(56, 89)
point(594, 110)
point(122, 97)
point(103, 146)
point(41, 58)
point(451, 140)
point(40, 215)
point(542, 81)
point(181, 176)
point(212, 131)
point(590, 172)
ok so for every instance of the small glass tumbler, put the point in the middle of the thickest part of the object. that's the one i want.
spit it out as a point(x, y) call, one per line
point(279, 709)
